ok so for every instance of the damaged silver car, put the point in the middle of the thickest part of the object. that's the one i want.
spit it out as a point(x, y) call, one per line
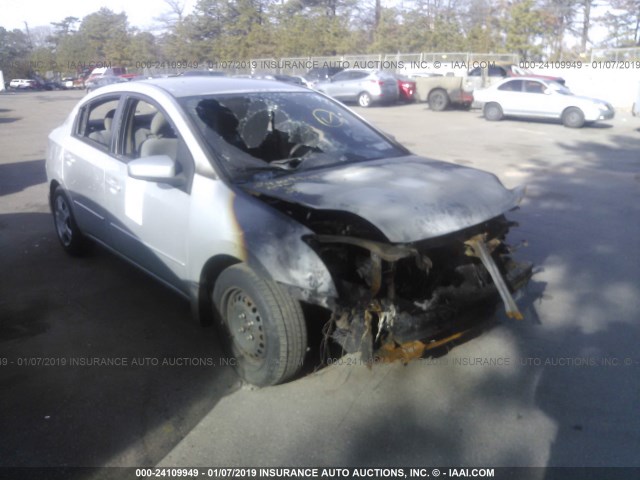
point(252, 197)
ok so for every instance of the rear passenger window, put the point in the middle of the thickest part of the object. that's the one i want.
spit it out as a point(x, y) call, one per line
point(512, 86)
point(96, 122)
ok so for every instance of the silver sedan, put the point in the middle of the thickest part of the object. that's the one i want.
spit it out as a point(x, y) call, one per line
point(362, 86)
point(253, 197)
point(533, 97)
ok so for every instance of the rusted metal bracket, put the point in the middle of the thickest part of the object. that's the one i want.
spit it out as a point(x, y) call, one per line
point(478, 248)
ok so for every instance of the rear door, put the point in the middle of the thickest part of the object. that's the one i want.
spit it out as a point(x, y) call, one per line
point(86, 156)
point(338, 86)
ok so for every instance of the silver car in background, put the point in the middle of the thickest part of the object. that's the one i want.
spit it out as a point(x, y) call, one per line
point(533, 97)
point(361, 86)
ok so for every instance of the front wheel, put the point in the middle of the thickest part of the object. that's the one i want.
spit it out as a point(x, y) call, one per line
point(364, 100)
point(264, 325)
point(493, 112)
point(573, 118)
point(67, 231)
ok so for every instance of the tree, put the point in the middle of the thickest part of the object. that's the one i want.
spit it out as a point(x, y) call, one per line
point(142, 47)
point(524, 26)
point(106, 36)
point(623, 22)
point(14, 53)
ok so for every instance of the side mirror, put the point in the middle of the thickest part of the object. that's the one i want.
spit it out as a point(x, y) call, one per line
point(155, 168)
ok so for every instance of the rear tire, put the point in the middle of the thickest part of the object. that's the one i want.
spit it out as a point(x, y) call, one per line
point(264, 325)
point(493, 112)
point(573, 118)
point(438, 100)
point(364, 100)
point(71, 238)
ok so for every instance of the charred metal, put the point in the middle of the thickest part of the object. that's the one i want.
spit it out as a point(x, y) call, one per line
point(391, 295)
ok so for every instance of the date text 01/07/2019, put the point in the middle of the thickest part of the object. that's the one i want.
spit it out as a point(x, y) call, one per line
point(329, 473)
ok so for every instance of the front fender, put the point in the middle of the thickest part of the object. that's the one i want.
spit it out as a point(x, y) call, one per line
point(273, 246)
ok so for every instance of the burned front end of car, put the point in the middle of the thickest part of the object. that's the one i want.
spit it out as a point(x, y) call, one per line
point(398, 300)
point(400, 248)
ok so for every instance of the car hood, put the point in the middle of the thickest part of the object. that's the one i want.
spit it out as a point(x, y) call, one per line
point(589, 100)
point(407, 198)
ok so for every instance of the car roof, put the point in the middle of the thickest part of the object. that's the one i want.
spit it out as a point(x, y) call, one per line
point(191, 86)
point(526, 77)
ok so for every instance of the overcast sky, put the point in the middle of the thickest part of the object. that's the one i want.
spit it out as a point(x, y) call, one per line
point(141, 13)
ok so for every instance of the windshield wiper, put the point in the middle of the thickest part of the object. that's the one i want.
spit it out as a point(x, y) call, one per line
point(287, 163)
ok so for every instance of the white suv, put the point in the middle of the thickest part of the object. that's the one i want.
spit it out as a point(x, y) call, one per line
point(22, 83)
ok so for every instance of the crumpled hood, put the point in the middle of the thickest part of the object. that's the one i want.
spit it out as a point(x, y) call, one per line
point(408, 198)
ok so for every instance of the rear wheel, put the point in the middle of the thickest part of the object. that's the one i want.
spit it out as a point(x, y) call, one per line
point(364, 100)
point(69, 235)
point(493, 112)
point(573, 118)
point(264, 325)
point(438, 100)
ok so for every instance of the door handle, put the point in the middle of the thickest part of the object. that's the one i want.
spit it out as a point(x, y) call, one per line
point(113, 184)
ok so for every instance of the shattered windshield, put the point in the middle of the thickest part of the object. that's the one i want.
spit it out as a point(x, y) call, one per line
point(273, 133)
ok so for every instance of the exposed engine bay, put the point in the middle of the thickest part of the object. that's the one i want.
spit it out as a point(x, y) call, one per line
point(398, 300)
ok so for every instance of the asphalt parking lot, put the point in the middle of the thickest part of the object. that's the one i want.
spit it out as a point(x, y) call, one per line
point(560, 388)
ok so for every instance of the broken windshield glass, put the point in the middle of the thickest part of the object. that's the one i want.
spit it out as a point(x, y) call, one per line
point(283, 131)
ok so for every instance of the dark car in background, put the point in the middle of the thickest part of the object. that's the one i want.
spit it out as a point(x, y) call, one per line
point(321, 74)
point(203, 73)
point(92, 84)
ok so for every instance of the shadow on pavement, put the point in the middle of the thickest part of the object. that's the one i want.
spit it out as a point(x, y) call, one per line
point(15, 177)
point(104, 366)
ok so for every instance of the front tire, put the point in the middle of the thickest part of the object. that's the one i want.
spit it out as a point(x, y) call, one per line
point(67, 231)
point(573, 118)
point(264, 326)
point(493, 112)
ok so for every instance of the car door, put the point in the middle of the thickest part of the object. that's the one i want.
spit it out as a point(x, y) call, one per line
point(86, 155)
point(542, 101)
point(509, 96)
point(537, 103)
point(339, 85)
point(149, 221)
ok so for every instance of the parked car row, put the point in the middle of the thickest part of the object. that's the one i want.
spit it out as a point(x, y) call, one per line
point(515, 92)
point(518, 93)
point(36, 84)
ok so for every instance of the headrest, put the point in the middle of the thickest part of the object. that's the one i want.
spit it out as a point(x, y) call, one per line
point(108, 119)
point(160, 127)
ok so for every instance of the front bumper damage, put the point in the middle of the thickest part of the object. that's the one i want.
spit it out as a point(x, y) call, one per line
point(415, 298)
